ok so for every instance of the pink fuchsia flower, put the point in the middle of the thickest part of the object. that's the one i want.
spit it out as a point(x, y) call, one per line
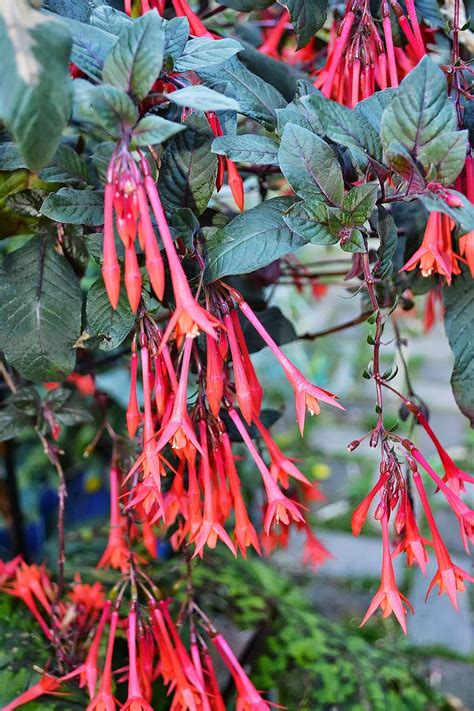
point(388, 597)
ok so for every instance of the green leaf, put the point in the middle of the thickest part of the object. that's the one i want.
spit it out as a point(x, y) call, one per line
point(40, 311)
point(444, 157)
point(10, 157)
point(176, 36)
point(255, 97)
point(374, 106)
point(113, 325)
point(67, 166)
point(109, 19)
point(310, 165)
point(188, 168)
point(464, 216)
point(400, 160)
point(90, 47)
point(352, 241)
point(247, 148)
point(135, 61)
point(106, 108)
point(152, 130)
point(12, 422)
point(252, 240)
point(202, 98)
point(26, 202)
point(459, 324)
point(35, 87)
point(348, 127)
point(420, 110)
point(75, 207)
point(310, 220)
point(387, 232)
point(307, 16)
point(74, 413)
point(204, 52)
point(360, 202)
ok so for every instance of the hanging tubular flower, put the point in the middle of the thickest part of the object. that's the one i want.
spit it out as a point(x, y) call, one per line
point(306, 395)
point(435, 254)
point(413, 544)
point(135, 700)
point(133, 413)
point(189, 316)
point(360, 513)
point(210, 529)
point(117, 552)
point(90, 670)
point(388, 597)
point(449, 577)
point(104, 699)
point(110, 263)
point(248, 698)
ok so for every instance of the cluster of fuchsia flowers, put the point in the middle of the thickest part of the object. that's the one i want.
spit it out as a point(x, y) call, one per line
point(186, 476)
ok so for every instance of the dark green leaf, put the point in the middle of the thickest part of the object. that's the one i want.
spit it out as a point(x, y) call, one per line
point(387, 232)
point(310, 220)
point(252, 240)
point(444, 157)
point(135, 61)
point(73, 413)
point(400, 160)
point(152, 130)
point(40, 311)
point(360, 201)
point(255, 97)
point(26, 202)
point(459, 323)
point(10, 157)
point(247, 148)
point(113, 325)
point(103, 107)
point(12, 422)
point(202, 98)
point(176, 36)
point(75, 207)
point(66, 167)
point(374, 106)
point(353, 241)
point(204, 52)
point(188, 169)
point(35, 88)
point(109, 19)
point(348, 127)
point(420, 110)
point(307, 16)
point(90, 47)
point(310, 165)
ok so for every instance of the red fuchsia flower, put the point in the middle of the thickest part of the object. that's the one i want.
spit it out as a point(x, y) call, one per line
point(196, 27)
point(46, 685)
point(242, 388)
point(185, 660)
point(281, 467)
point(153, 259)
point(135, 700)
point(179, 430)
point(88, 600)
point(90, 669)
point(273, 36)
point(388, 597)
point(256, 390)
point(433, 305)
point(466, 249)
point(248, 698)
point(186, 696)
point(236, 184)
point(279, 507)
point(110, 263)
point(8, 568)
point(244, 532)
point(210, 529)
point(360, 514)
point(151, 463)
point(449, 577)
point(466, 242)
point(29, 581)
point(435, 254)
point(133, 413)
point(413, 544)
point(464, 514)
point(314, 552)
point(104, 699)
point(453, 475)
point(189, 317)
point(117, 552)
point(306, 395)
point(213, 690)
point(214, 376)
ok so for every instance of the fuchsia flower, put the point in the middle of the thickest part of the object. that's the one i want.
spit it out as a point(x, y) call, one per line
point(104, 699)
point(90, 669)
point(248, 698)
point(388, 597)
point(435, 254)
point(135, 700)
point(117, 552)
point(412, 542)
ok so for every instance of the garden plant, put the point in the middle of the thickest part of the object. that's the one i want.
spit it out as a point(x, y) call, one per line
point(164, 167)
